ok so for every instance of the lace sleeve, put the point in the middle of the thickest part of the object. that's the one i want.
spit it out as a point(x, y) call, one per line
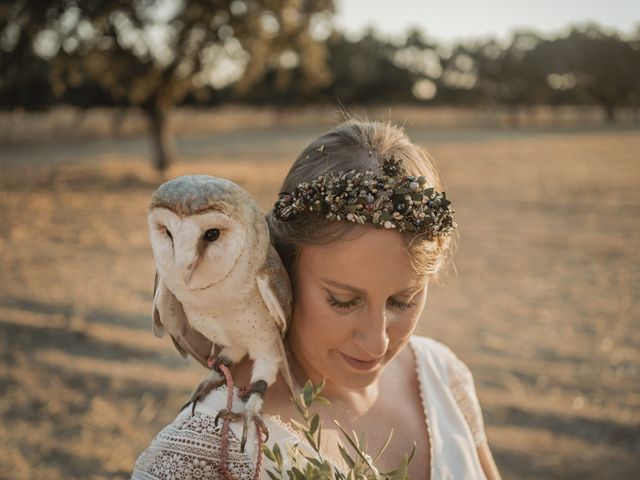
point(189, 448)
point(464, 392)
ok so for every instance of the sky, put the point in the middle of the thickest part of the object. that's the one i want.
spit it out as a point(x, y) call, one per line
point(466, 19)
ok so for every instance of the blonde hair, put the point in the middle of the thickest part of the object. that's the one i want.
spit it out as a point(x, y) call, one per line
point(359, 145)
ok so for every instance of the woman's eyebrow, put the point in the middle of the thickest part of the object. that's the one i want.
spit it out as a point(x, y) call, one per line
point(411, 290)
point(344, 286)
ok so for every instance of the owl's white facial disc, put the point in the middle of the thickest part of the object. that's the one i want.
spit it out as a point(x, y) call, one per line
point(196, 251)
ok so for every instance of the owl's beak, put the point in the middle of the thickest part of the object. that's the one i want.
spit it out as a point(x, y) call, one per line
point(186, 261)
point(188, 272)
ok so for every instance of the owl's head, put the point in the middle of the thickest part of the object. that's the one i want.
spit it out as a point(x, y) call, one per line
point(199, 227)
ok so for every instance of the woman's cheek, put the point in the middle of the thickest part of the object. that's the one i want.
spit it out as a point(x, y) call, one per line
point(402, 324)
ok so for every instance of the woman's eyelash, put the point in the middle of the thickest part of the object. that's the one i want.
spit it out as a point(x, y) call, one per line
point(401, 305)
point(342, 305)
point(351, 303)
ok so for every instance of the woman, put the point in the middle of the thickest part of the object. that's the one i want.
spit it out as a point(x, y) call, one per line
point(360, 248)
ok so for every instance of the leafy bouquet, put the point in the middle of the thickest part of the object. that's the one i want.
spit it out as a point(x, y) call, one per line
point(303, 465)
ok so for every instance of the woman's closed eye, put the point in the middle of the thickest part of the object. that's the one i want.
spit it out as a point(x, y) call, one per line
point(401, 305)
point(342, 305)
point(348, 304)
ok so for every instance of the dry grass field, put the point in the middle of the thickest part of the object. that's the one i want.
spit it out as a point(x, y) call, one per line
point(543, 303)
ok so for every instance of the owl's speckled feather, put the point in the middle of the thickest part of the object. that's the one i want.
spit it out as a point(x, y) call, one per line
point(194, 194)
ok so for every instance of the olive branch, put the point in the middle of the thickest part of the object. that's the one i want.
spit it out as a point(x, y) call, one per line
point(303, 464)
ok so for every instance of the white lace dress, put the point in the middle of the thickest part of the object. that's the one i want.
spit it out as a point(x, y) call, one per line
point(189, 447)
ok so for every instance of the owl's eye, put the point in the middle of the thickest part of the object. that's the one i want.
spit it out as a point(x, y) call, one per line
point(164, 230)
point(211, 235)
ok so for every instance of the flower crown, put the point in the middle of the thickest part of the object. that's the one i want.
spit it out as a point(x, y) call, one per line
point(391, 200)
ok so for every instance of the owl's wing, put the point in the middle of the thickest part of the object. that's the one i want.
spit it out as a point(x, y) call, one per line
point(169, 315)
point(156, 324)
point(275, 289)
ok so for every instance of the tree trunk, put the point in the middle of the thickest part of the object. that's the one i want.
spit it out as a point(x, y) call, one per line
point(610, 112)
point(162, 141)
point(118, 119)
point(514, 116)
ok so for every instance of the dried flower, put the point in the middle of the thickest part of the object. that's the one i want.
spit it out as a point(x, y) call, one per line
point(385, 200)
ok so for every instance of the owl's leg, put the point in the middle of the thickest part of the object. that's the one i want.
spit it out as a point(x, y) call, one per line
point(228, 356)
point(213, 380)
point(264, 373)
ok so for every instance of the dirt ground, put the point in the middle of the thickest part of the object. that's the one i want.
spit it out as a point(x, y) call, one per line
point(543, 302)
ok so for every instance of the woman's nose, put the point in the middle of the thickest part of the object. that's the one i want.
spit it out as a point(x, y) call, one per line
point(371, 335)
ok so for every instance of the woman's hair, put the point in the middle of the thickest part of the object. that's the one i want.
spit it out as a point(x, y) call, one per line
point(359, 145)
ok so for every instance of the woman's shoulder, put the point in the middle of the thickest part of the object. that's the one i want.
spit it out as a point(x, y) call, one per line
point(430, 352)
point(428, 349)
point(455, 375)
point(191, 445)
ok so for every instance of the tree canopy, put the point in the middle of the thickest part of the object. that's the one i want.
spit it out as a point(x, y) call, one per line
point(156, 54)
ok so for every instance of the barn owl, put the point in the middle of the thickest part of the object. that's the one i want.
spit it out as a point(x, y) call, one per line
point(221, 289)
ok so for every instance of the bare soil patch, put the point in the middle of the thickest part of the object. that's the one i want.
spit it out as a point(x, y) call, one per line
point(543, 305)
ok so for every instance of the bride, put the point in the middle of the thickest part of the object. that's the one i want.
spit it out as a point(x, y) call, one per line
point(362, 228)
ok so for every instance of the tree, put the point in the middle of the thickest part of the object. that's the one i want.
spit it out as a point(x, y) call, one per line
point(592, 66)
point(153, 53)
point(511, 76)
point(24, 76)
point(365, 71)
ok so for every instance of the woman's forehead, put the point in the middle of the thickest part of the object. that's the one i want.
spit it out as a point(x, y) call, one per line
point(373, 257)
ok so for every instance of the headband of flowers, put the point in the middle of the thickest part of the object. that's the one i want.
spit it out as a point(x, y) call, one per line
point(392, 200)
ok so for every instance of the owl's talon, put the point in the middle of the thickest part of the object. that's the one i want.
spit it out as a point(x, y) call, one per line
point(262, 427)
point(214, 363)
point(201, 391)
point(227, 415)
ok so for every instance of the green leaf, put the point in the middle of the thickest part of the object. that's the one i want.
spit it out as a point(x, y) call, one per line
point(278, 454)
point(397, 473)
point(268, 453)
point(307, 393)
point(384, 216)
point(272, 475)
point(311, 440)
point(298, 404)
point(322, 401)
point(413, 453)
point(318, 388)
point(316, 462)
point(384, 447)
point(345, 455)
point(298, 425)
point(315, 423)
point(401, 473)
point(355, 446)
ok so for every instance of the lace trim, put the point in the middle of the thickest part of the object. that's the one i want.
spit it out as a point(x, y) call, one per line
point(464, 392)
point(187, 449)
point(291, 430)
point(423, 402)
point(285, 426)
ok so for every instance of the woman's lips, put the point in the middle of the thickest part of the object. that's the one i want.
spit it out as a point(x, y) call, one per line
point(360, 364)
